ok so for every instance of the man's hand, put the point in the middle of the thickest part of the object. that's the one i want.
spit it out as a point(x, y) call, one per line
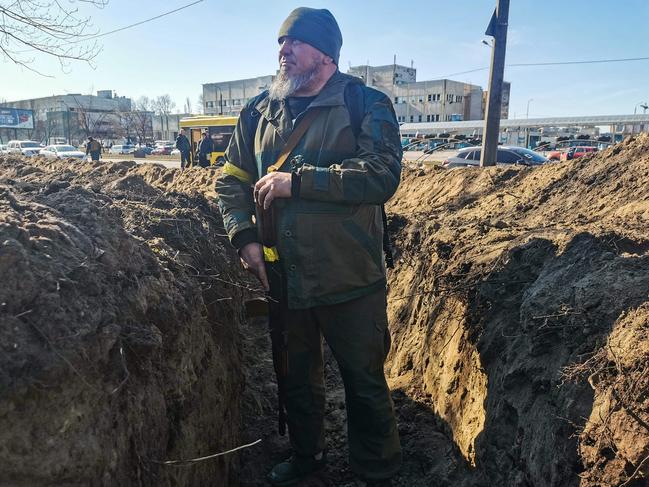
point(273, 185)
point(252, 259)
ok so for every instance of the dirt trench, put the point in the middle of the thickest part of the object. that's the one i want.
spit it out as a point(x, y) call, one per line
point(518, 310)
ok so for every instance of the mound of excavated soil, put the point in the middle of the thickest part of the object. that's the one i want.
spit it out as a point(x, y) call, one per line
point(520, 313)
point(119, 326)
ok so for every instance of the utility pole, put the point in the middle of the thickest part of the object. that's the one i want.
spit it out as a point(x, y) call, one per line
point(498, 30)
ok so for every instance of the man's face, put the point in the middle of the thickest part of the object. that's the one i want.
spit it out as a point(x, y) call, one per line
point(297, 58)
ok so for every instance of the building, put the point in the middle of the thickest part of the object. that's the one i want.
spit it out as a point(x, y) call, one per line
point(229, 97)
point(73, 117)
point(504, 104)
point(166, 127)
point(440, 100)
point(414, 101)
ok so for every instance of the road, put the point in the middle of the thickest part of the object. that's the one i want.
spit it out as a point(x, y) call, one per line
point(167, 162)
point(409, 156)
point(433, 157)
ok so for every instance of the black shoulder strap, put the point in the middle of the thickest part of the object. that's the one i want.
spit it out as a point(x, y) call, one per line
point(355, 103)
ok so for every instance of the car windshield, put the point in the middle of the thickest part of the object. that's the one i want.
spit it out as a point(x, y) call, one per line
point(29, 144)
point(64, 148)
point(530, 154)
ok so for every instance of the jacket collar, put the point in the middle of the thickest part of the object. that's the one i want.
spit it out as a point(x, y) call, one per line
point(332, 94)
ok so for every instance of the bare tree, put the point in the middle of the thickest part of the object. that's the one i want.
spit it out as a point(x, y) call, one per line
point(142, 122)
point(91, 121)
point(188, 106)
point(199, 105)
point(128, 122)
point(163, 105)
point(52, 27)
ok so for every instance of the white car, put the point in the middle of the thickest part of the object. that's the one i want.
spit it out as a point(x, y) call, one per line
point(122, 149)
point(62, 152)
point(3, 149)
point(26, 148)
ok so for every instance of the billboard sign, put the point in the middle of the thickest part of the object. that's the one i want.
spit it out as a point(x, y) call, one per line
point(16, 118)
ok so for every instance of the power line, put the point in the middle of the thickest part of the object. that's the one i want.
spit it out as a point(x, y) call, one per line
point(137, 23)
point(103, 34)
point(595, 61)
point(553, 63)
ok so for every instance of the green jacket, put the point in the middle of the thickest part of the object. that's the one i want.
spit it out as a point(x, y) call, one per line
point(330, 235)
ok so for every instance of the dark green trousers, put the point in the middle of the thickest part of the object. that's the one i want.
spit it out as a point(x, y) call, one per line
point(357, 333)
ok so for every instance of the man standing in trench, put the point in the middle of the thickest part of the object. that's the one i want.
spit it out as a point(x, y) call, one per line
point(328, 256)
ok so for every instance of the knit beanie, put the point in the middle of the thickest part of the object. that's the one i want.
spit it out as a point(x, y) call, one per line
point(316, 27)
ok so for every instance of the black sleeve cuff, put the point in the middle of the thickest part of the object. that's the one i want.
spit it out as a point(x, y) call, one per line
point(244, 237)
point(296, 180)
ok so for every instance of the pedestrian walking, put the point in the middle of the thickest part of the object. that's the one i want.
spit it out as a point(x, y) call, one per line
point(93, 147)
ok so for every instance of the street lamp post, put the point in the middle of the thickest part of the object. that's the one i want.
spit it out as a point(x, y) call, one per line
point(642, 105)
point(527, 129)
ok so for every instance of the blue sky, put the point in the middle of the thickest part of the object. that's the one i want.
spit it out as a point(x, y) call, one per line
point(217, 40)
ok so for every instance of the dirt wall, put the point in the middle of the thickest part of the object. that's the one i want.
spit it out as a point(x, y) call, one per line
point(508, 281)
point(119, 339)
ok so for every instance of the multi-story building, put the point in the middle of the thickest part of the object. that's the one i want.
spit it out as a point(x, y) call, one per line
point(504, 104)
point(440, 100)
point(72, 117)
point(166, 127)
point(229, 97)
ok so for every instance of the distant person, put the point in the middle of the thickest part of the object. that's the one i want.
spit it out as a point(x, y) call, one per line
point(183, 145)
point(205, 148)
point(93, 147)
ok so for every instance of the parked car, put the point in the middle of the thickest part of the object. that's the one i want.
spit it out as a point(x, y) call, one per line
point(175, 152)
point(164, 150)
point(122, 149)
point(26, 148)
point(62, 152)
point(3, 149)
point(470, 156)
point(574, 152)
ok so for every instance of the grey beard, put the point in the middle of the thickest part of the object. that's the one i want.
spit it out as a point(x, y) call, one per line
point(282, 86)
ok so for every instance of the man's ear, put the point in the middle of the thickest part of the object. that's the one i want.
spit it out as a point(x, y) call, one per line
point(326, 60)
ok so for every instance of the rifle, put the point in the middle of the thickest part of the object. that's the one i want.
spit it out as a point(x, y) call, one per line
point(272, 306)
point(278, 336)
